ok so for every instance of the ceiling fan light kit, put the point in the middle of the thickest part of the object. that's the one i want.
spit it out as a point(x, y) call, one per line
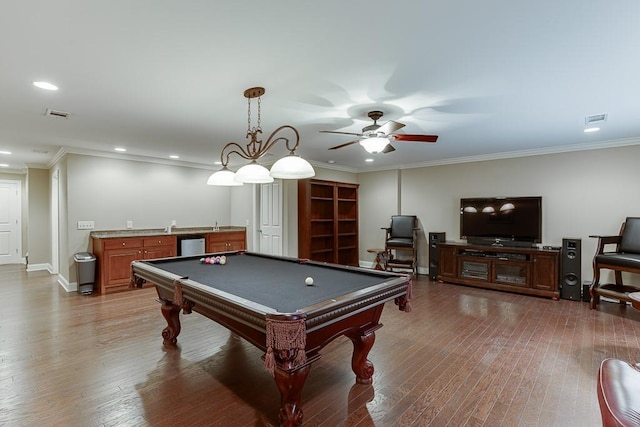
point(377, 138)
point(291, 166)
point(374, 145)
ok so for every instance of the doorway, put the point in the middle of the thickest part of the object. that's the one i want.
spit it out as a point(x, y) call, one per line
point(270, 228)
point(10, 228)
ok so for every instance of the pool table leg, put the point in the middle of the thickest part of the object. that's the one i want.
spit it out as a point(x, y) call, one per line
point(290, 384)
point(171, 313)
point(362, 343)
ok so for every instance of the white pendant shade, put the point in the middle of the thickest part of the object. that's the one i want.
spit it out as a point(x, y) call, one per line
point(223, 177)
point(292, 167)
point(374, 145)
point(253, 173)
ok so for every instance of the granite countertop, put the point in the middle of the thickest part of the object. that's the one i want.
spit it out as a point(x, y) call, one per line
point(175, 231)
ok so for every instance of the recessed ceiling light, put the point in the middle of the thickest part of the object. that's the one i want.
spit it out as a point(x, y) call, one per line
point(5, 152)
point(173, 156)
point(592, 130)
point(120, 149)
point(218, 162)
point(4, 165)
point(45, 85)
point(331, 162)
point(369, 160)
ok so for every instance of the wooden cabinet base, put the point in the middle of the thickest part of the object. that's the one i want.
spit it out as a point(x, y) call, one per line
point(529, 271)
point(115, 254)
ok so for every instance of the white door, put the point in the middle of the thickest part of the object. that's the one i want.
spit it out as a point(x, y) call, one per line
point(271, 218)
point(10, 232)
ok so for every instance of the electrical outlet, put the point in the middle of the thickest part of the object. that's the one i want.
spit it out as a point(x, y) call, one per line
point(85, 225)
point(129, 224)
point(173, 222)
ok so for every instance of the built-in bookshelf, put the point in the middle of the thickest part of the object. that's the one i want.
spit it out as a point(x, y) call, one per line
point(328, 221)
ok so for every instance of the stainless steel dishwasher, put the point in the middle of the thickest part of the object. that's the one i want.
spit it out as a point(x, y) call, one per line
point(191, 246)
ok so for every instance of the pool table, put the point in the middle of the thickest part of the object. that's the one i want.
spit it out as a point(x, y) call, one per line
point(265, 300)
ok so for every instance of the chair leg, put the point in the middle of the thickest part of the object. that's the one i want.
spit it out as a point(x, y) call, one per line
point(415, 263)
point(593, 292)
point(387, 257)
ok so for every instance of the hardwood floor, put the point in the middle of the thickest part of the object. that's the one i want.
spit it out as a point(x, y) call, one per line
point(463, 356)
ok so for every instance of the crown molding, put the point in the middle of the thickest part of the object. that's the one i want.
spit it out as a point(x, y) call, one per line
point(514, 154)
point(328, 166)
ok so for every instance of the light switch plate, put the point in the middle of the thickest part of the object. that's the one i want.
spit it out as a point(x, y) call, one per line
point(129, 224)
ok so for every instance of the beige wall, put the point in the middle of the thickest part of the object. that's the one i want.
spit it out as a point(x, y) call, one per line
point(583, 193)
point(39, 218)
point(111, 192)
point(378, 199)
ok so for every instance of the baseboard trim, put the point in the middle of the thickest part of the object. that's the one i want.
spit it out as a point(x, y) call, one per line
point(40, 267)
point(68, 287)
point(370, 264)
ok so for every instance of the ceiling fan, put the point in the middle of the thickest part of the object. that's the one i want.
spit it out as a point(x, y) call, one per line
point(377, 138)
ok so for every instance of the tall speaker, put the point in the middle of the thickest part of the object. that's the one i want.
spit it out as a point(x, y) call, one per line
point(434, 239)
point(570, 283)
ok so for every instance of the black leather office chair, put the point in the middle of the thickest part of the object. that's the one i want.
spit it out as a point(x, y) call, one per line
point(401, 243)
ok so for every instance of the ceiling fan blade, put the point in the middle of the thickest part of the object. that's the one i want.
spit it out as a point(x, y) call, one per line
point(341, 133)
point(388, 149)
point(343, 145)
point(417, 138)
point(390, 127)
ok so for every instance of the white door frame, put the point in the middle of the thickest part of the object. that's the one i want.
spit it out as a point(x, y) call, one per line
point(55, 225)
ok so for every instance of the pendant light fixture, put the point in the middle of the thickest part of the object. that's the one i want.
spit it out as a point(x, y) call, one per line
point(291, 166)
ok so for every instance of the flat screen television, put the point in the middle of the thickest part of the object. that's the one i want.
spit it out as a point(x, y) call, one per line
point(506, 221)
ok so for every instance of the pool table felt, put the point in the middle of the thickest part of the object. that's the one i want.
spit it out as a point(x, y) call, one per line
point(278, 284)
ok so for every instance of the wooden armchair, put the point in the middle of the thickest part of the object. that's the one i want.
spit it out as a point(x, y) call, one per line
point(625, 258)
point(402, 238)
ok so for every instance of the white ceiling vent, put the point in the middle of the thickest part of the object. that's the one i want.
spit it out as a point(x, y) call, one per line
point(595, 119)
point(58, 114)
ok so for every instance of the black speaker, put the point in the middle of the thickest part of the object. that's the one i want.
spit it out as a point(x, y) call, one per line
point(570, 282)
point(586, 296)
point(434, 239)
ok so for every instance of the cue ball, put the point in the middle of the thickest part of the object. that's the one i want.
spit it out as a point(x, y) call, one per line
point(308, 281)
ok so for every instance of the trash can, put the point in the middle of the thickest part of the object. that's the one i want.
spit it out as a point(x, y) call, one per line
point(85, 272)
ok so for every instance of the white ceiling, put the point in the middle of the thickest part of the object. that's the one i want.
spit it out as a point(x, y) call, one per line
point(166, 77)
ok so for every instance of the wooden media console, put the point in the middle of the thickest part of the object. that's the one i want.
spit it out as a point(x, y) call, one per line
point(530, 271)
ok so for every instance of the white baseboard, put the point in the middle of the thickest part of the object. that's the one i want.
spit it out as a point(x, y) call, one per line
point(68, 287)
point(40, 267)
point(369, 264)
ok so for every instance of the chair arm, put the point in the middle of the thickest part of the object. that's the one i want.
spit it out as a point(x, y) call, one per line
point(606, 240)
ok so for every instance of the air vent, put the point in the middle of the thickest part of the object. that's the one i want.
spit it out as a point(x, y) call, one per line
point(596, 118)
point(58, 114)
